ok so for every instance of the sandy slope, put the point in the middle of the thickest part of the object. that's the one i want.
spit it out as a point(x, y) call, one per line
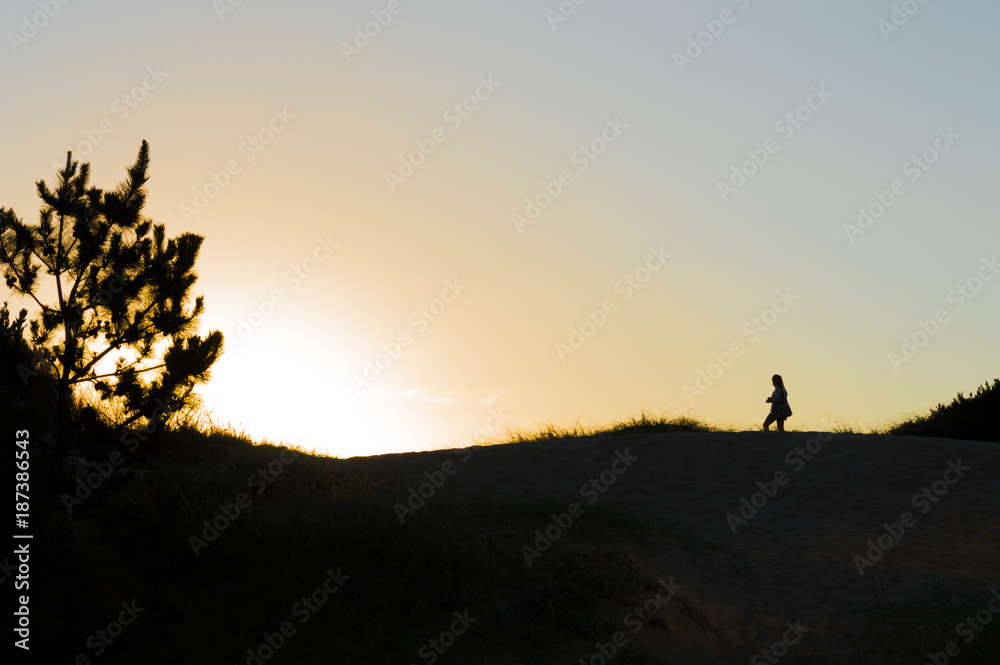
point(800, 545)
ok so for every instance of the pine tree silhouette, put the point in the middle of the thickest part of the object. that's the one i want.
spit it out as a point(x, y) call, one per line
point(121, 289)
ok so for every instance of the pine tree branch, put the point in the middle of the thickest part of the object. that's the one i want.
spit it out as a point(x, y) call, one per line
point(119, 339)
point(117, 372)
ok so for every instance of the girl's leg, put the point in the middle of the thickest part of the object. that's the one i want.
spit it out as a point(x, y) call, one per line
point(781, 424)
point(767, 423)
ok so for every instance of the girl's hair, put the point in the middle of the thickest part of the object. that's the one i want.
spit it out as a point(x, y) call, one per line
point(777, 378)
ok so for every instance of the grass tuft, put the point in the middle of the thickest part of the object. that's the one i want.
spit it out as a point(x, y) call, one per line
point(641, 424)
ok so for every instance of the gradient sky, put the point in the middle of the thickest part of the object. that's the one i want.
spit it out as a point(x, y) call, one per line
point(308, 229)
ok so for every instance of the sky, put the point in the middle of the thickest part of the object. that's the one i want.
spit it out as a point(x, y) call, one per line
point(429, 222)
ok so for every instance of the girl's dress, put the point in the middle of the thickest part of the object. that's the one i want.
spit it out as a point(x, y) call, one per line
point(779, 403)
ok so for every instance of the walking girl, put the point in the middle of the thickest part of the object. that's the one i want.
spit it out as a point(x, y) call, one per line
point(779, 405)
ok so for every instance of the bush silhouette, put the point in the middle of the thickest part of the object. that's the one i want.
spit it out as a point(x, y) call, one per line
point(973, 417)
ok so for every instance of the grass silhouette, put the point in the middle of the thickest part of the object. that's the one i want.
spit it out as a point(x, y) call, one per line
point(643, 423)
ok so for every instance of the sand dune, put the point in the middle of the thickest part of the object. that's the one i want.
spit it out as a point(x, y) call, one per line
point(806, 547)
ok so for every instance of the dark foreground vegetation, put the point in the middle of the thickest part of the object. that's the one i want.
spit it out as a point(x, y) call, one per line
point(216, 550)
point(976, 417)
point(240, 553)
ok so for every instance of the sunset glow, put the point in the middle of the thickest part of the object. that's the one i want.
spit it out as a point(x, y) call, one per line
point(426, 222)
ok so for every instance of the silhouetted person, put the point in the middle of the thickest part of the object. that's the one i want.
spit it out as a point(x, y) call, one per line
point(779, 405)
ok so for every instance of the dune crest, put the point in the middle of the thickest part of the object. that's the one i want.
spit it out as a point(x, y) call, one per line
point(812, 523)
